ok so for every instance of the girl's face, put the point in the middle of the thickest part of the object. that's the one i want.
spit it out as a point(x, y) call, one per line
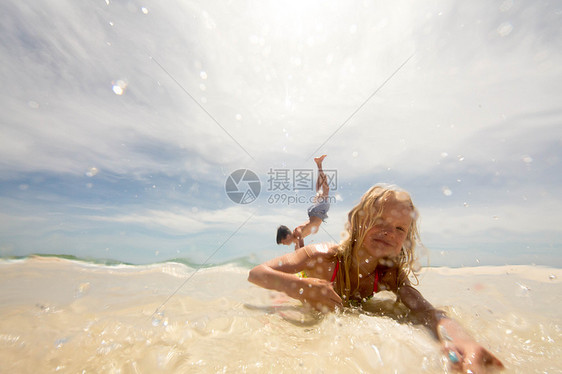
point(386, 237)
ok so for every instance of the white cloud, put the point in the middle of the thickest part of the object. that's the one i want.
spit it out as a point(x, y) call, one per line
point(277, 81)
point(305, 74)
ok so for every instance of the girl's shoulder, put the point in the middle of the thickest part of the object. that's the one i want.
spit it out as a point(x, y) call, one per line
point(323, 250)
point(321, 260)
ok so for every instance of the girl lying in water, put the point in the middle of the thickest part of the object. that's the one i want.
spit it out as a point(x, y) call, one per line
point(378, 254)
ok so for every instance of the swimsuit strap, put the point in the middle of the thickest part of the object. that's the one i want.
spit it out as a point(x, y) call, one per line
point(375, 285)
point(335, 271)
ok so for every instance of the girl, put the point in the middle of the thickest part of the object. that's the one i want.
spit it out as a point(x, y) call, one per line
point(377, 254)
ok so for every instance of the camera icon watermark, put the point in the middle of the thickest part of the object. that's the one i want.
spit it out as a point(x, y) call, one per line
point(243, 186)
point(285, 186)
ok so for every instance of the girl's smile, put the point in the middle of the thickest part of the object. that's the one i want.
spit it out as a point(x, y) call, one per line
point(386, 237)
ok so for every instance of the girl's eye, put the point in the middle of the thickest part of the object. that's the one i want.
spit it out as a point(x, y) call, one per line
point(401, 229)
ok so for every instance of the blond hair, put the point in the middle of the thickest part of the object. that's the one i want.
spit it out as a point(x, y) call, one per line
point(363, 217)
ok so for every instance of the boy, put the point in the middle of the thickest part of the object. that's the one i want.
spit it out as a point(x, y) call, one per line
point(316, 213)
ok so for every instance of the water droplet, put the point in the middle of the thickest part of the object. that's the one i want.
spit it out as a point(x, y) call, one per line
point(460, 157)
point(144, 10)
point(203, 75)
point(360, 276)
point(92, 171)
point(446, 191)
point(527, 159)
point(119, 87)
point(367, 260)
point(552, 277)
point(444, 154)
point(238, 117)
point(157, 319)
point(523, 290)
point(355, 154)
point(301, 291)
point(505, 29)
point(466, 204)
point(60, 342)
point(82, 289)
point(506, 5)
point(33, 104)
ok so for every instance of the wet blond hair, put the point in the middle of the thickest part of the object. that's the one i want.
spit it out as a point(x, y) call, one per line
point(362, 218)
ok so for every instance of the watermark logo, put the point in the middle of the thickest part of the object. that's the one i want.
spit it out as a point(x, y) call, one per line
point(285, 186)
point(243, 186)
point(280, 180)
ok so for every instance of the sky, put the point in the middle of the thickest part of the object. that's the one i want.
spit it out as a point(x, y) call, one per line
point(122, 121)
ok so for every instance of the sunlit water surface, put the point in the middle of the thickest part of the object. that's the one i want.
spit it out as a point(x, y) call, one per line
point(74, 317)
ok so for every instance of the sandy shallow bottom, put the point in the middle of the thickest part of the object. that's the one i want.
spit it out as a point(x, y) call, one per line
point(73, 317)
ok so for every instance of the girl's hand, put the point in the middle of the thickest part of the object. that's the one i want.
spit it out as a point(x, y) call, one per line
point(463, 352)
point(319, 294)
point(468, 356)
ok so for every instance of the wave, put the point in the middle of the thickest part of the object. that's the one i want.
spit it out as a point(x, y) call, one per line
point(242, 262)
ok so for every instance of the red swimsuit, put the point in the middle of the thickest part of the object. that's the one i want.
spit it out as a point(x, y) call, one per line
point(375, 286)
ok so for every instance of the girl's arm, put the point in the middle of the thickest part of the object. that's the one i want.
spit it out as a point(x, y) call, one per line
point(279, 274)
point(462, 350)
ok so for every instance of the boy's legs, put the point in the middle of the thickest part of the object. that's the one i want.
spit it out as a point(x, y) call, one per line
point(322, 181)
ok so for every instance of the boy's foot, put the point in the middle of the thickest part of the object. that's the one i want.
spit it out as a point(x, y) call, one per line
point(319, 160)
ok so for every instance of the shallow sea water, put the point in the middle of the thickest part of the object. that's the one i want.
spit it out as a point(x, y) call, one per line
point(72, 317)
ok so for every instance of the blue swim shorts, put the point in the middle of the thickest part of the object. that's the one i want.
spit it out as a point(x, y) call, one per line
point(319, 210)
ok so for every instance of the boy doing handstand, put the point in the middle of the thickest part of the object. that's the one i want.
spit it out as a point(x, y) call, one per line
point(317, 213)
